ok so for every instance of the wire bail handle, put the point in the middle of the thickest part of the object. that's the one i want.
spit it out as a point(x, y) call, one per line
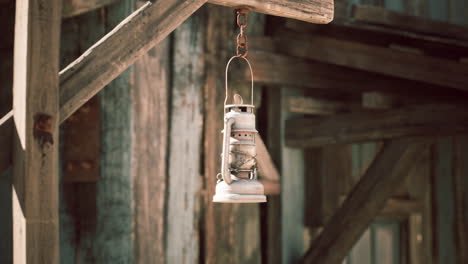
point(251, 79)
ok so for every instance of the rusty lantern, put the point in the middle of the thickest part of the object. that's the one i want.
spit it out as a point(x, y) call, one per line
point(237, 182)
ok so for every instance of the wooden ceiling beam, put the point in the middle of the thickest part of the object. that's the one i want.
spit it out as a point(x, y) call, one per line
point(374, 125)
point(365, 201)
point(77, 7)
point(382, 60)
point(312, 11)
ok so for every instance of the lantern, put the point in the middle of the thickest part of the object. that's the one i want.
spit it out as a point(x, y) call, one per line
point(237, 182)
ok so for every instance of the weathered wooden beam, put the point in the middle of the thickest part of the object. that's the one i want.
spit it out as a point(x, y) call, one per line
point(312, 11)
point(109, 57)
point(151, 124)
point(363, 204)
point(275, 69)
point(425, 120)
point(78, 7)
point(382, 16)
point(365, 57)
point(35, 144)
point(315, 106)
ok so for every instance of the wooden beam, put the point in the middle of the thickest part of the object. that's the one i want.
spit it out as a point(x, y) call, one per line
point(109, 57)
point(77, 7)
point(312, 11)
point(381, 16)
point(35, 147)
point(425, 120)
point(275, 69)
point(365, 57)
point(363, 204)
point(151, 124)
point(315, 106)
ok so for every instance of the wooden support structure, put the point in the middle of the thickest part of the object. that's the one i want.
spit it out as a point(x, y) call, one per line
point(361, 56)
point(106, 59)
point(312, 11)
point(385, 174)
point(35, 150)
point(425, 120)
point(78, 7)
point(384, 17)
point(151, 124)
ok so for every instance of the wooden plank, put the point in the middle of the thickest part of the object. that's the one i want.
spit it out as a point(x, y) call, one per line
point(35, 145)
point(385, 17)
point(114, 189)
point(275, 69)
point(461, 197)
point(77, 7)
point(186, 130)
point(385, 37)
point(312, 11)
point(386, 173)
point(444, 202)
point(315, 106)
point(425, 120)
point(266, 168)
point(292, 192)
point(109, 57)
point(356, 55)
point(151, 124)
point(271, 246)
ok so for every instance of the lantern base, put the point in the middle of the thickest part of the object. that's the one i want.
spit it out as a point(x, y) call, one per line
point(239, 191)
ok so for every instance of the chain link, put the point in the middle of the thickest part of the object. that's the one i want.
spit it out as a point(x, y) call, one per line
point(242, 43)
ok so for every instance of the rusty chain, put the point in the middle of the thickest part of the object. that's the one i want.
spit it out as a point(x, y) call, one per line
point(242, 44)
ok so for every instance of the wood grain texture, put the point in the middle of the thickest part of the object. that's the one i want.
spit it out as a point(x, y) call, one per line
point(77, 7)
point(315, 106)
point(109, 57)
point(425, 120)
point(35, 153)
point(186, 130)
point(150, 115)
point(274, 69)
point(386, 173)
point(389, 18)
point(312, 11)
point(356, 55)
point(113, 242)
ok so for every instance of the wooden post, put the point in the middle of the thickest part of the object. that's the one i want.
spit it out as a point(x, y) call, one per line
point(150, 152)
point(185, 142)
point(35, 188)
point(385, 174)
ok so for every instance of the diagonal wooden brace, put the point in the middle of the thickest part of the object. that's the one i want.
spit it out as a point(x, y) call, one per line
point(386, 173)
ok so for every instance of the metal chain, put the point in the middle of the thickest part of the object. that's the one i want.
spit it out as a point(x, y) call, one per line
point(241, 41)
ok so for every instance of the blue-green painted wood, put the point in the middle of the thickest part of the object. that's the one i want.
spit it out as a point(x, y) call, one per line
point(114, 193)
point(292, 194)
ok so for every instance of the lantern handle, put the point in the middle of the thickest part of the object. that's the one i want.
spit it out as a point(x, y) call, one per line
point(226, 79)
point(225, 171)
